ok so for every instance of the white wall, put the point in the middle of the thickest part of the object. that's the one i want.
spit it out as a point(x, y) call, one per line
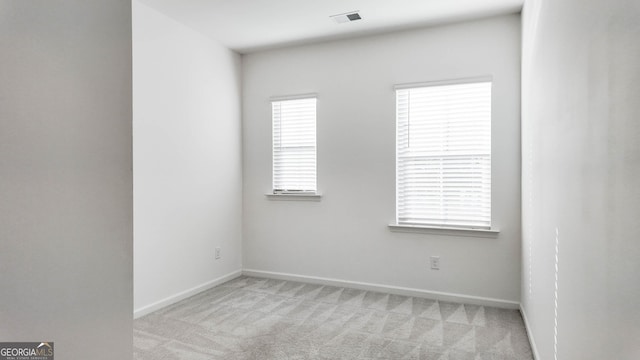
point(345, 236)
point(65, 176)
point(581, 171)
point(187, 159)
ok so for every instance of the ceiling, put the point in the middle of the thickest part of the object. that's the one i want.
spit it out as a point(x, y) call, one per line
point(250, 25)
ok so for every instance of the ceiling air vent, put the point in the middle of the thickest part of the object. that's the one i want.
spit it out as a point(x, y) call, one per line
point(346, 17)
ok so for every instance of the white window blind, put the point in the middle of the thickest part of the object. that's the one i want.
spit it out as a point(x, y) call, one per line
point(443, 175)
point(294, 145)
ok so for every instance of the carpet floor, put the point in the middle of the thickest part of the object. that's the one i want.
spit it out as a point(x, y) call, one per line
point(252, 318)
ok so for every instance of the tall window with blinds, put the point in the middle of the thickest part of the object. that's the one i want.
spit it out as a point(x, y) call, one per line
point(443, 155)
point(294, 146)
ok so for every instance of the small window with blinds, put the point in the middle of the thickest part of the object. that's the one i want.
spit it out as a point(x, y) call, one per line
point(443, 164)
point(294, 145)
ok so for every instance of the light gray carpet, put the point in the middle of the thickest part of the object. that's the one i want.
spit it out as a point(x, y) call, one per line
point(252, 318)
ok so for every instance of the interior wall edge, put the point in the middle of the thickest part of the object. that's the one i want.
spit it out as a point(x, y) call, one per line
point(532, 342)
point(170, 300)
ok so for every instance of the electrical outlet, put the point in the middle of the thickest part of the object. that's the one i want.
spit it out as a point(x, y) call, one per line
point(217, 253)
point(435, 263)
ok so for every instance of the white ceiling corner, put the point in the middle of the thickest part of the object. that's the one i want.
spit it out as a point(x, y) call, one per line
point(249, 25)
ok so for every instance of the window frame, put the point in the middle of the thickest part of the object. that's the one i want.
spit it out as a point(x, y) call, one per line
point(444, 228)
point(293, 194)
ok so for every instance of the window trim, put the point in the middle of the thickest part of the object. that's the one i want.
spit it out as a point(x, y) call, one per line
point(473, 231)
point(443, 230)
point(302, 196)
point(293, 97)
point(456, 81)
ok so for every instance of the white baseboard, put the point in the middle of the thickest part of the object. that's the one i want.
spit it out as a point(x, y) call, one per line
point(436, 295)
point(534, 348)
point(184, 294)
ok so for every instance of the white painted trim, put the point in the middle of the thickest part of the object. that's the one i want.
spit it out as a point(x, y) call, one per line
point(295, 196)
point(532, 342)
point(468, 80)
point(293, 97)
point(436, 295)
point(438, 230)
point(145, 310)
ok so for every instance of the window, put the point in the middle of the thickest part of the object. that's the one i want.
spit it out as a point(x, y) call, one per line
point(443, 155)
point(294, 145)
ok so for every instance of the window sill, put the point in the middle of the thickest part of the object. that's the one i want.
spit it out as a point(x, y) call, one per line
point(450, 231)
point(295, 197)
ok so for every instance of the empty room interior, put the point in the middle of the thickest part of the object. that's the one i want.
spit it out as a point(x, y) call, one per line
point(410, 179)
